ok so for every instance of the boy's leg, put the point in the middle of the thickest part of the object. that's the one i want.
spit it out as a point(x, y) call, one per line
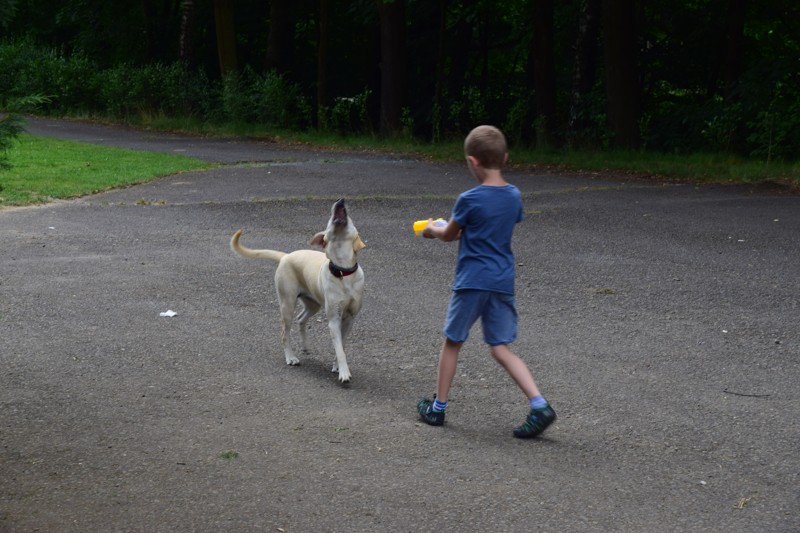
point(462, 312)
point(432, 411)
point(541, 414)
point(448, 360)
point(517, 369)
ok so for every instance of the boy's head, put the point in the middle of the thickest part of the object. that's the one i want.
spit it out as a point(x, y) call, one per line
point(487, 144)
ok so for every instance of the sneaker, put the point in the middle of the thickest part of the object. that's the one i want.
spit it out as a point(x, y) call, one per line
point(427, 414)
point(537, 421)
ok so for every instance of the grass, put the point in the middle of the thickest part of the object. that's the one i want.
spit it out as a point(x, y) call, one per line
point(695, 168)
point(656, 166)
point(45, 169)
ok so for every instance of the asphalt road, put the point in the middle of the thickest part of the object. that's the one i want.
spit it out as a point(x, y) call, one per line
point(661, 321)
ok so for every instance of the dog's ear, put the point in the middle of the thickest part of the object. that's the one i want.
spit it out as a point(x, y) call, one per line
point(358, 244)
point(318, 240)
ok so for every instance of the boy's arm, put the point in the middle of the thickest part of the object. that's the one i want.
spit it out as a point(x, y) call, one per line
point(450, 232)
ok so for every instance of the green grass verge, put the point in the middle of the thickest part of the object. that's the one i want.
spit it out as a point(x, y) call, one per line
point(45, 169)
point(656, 166)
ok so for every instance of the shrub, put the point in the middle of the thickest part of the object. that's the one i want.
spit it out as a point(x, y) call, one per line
point(154, 89)
point(264, 99)
point(775, 131)
point(69, 82)
point(347, 115)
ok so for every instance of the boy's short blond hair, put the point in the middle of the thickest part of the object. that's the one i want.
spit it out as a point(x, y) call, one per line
point(488, 145)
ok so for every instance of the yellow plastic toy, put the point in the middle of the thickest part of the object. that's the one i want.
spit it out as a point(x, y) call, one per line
point(420, 225)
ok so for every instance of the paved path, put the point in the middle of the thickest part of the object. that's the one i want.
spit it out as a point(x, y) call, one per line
point(661, 321)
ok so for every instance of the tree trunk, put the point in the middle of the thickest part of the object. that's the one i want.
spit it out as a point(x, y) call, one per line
point(160, 18)
point(185, 45)
point(542, 66)
point(280, 42)
point(226, 37)
point(623, 93)
point(585, 68)
point(392, 23)
point(441, 58)
point(734, 49)
point(461, 39)
point(322, 57)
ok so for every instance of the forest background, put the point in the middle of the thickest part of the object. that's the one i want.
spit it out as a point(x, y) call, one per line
point(669, 77)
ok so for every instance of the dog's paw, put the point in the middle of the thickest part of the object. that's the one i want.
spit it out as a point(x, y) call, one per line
point(292, 361)
point(344, 376)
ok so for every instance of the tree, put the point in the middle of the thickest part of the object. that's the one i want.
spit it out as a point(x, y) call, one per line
point(226, 37)
point(392, 15)
point(439, 79)
point(8, 9)
point(734, 49)
point(623, 94)
point(185, 49)
point(322, 57)
point(160, 19)
point(281, 36)
point(542, 67)
point(584, 70)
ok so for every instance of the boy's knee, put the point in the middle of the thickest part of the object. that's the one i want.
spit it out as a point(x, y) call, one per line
point(499, 351)
point(452, 344)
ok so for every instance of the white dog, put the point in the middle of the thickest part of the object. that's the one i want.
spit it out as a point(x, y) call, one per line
point(332, 280)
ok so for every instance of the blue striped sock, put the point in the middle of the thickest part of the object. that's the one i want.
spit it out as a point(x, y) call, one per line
point(538, 402)
point(439, 406)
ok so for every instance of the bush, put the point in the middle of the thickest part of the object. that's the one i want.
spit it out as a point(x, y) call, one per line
point(775, 131)
point(347, 115)
point(70, 83)
point(264, 99)
point(128, 91)
point(466, 111)
point(10, 127)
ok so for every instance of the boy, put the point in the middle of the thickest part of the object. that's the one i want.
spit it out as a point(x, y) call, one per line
point(483, 220)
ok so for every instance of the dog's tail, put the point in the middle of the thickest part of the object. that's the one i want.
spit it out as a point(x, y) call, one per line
point(244, 251)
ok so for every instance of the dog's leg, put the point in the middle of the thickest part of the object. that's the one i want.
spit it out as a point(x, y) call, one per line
point(347, 324)
point(287, 298)
point(310, 308)
point(335, 324)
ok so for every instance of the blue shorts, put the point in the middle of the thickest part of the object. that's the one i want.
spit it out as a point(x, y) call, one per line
point(497, 312)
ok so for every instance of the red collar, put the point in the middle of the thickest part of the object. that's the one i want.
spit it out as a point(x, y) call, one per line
point(339, 272)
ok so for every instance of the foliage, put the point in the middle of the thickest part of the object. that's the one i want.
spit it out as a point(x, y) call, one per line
point(775, 131)
point(264, 99)
point(466, 63)
point(127, 90)
point(347, 115)
point(11, 126)
point(27, 69)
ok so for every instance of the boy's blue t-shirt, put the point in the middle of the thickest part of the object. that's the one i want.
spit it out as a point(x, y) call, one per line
point(487, 216)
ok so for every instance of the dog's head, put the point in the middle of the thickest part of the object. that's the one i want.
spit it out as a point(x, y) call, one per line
point(340, 239)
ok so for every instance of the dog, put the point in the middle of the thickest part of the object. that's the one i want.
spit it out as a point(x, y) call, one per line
point(332, 280)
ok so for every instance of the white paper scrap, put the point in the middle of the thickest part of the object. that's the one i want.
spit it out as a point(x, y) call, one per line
point(169, 313)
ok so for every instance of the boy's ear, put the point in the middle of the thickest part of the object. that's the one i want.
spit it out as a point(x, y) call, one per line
point(318, 240)
point(358, 244)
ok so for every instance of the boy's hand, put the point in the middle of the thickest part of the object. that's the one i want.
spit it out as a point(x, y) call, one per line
point(449, 232)
point(428, 231)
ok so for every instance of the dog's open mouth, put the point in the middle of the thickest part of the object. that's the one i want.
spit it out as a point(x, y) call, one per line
point(339, 213)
